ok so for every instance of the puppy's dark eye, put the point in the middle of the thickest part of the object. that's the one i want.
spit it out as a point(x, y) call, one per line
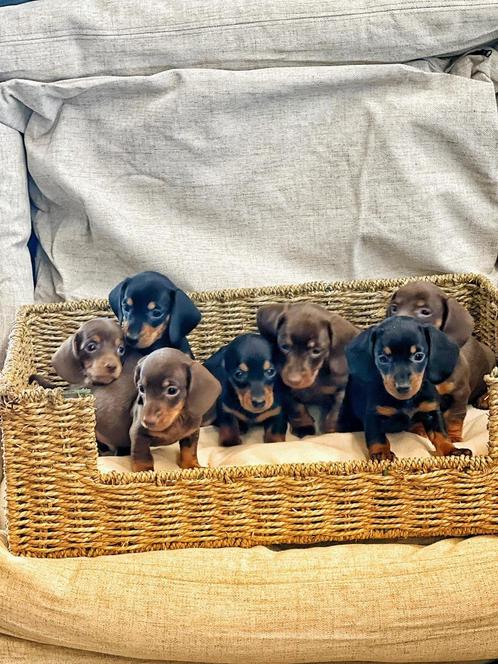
point(418, 357)
point(172, 391)
point(156, 313)
point(239, 375)
point(91, 347)
point(425, 312)
point(126, 307)
point(270, 373)
point(121, 350)
point(315, 352)
point(394, 308)
point(285, 348)
point(141, 388)
point(384, 359)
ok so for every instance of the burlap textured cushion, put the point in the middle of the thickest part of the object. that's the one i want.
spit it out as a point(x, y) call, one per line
point(27, 652)
point(241, 178)
point(65, 39)
point(380, 602)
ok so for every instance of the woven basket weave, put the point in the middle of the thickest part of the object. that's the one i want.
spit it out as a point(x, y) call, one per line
point(59, 504)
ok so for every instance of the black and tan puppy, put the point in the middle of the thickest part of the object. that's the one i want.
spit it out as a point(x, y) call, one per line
point(94, 357)
point(394, 367)
point(251, 390)
point(153, 312)
point(310, 357)
point(430, 305)
point(174, 393)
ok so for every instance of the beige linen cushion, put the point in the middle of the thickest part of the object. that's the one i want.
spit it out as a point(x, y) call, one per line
point(64, 39)
point(381, 602)
point(246, 178)
point(16, 281)
point(314, 449)
point(26, 652)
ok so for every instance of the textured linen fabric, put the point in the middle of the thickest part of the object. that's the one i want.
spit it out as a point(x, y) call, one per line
point(18, 651)
point(16, 282)
point(246, 178)
point(352, 602)
point(64, 39)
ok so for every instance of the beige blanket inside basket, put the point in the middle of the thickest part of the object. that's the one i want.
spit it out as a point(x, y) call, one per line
point(327, 447)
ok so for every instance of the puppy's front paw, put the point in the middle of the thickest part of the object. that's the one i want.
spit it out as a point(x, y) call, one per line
point(229, 436)
point(141, 465)
point(483, 402)
point(460, 451)
point(230, 442)
point(301, 432)
point(189, 463)
point(380, 452)
point(270, 437)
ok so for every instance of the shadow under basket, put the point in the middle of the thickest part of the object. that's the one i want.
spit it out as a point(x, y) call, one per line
point(59, 504)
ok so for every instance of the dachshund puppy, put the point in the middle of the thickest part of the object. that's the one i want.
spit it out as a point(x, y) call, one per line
point(393, 368)
point(94, 357)
point(251, 390)
point(153, 312)
point(310, 357)
point(430, 305)
point(174, 393)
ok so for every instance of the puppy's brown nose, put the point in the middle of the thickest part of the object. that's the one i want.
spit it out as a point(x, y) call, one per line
point(111, 366)
point(149, 422)
point(293, 379)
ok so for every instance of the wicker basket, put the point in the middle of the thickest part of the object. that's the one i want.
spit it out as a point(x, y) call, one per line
point(59, 504)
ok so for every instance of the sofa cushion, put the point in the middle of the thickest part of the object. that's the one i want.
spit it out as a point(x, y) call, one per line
point(28, 652)
point(16, 281)
point(64, 39)
point(231, 178)
point(384, 602)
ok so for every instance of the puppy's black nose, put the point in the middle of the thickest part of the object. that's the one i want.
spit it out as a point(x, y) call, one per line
point(258, 403)
point(131, 341)
point(403, 389)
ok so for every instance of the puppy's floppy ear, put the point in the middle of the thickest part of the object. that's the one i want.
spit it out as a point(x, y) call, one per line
point(269, 317)
point(458, 323)
point(138, 370)
point(388, 306)
point(359, 354)
point(203, 391)
point(116, 298)
point(66, 361)
point(184, 316)
point(341, 332)
point(443, 354)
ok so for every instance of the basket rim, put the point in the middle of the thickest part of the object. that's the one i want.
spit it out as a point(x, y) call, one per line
point(398, 468)
point(282, 290)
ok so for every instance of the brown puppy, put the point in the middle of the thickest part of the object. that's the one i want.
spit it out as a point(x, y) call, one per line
point(174, 392)
point(310, 343)
point(92, 355)
point(429, 304)
point(94, 358)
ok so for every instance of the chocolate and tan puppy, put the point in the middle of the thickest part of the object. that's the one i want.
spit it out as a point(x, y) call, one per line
point(430, 305)
point(174, 392)
point(94, 357)
point(310, 342)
